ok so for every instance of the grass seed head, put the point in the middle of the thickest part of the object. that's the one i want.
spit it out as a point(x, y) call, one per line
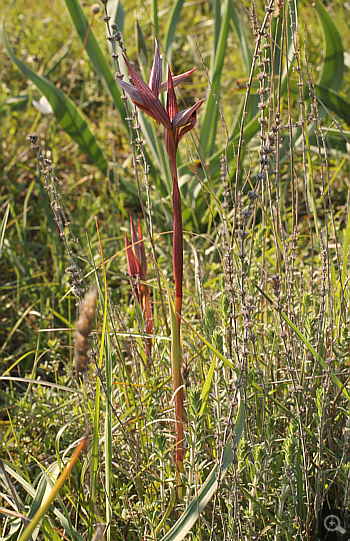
point(83, 329)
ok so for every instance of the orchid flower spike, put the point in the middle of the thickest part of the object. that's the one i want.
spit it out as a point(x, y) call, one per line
point(176, 124)
point(146, 97)
point(137, 265)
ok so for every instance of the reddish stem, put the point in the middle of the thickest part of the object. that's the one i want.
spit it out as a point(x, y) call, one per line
point(178, 231)
point(178, 274)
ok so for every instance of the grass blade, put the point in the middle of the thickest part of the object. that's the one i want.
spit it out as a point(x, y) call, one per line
point(207, 385)
point(346, 251)
point(331, 76)
point(116, 13)
point(95, 439)
point(334, 102)
point(211, 114)
point(242, 36)
point(108, 436)
point(3, 228)
point(96, 55)
point(141, 48)
point(171, 28)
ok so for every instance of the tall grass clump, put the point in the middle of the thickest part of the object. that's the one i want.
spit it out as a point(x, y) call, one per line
point(176, 344)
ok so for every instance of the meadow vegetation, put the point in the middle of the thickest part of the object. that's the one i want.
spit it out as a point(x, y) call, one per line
point(137, 403)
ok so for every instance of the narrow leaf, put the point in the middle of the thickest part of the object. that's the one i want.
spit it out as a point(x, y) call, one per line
point(207, 385)
point(346, 251)
point(95, 439)
point(331, 76)
point(58, 485)
point(211, 115)
point(3, 228)
point(96, 56)
point(334, 102)
point(171, 28)
point(240, 28)
point(141, 47)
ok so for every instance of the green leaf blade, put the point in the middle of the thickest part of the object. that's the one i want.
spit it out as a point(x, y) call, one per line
point(211, 113)
point(96, 55)
point(331, 76)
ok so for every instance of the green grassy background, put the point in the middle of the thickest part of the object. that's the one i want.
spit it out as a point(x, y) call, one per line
point(292, 454)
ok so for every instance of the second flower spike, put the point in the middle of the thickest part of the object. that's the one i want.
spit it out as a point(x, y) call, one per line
point(137, 266)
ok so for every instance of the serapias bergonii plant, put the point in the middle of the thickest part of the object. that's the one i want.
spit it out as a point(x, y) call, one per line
point(176, 124)
point(137, 266)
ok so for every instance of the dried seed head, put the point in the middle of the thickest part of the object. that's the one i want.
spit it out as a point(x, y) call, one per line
point(83, 328)
point(254, 19)
point(276, 282)
point(278, 8)
point(33, 138)
point(95, 8)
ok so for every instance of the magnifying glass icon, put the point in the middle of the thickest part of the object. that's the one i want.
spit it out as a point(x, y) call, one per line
point(332, 524)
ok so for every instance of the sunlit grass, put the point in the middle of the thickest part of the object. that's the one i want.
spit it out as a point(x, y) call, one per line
point(265, 310)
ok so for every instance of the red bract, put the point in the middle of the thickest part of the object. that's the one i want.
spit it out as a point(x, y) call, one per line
point(139, 249)
point(131, 263)
point(185, 119)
